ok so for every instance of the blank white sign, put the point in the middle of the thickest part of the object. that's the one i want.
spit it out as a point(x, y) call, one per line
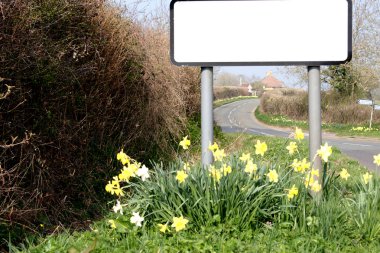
point(261, 32)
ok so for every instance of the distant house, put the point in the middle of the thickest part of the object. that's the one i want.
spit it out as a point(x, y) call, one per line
point(270, 82)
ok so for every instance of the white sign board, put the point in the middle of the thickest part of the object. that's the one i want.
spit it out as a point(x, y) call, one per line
point(261, 32)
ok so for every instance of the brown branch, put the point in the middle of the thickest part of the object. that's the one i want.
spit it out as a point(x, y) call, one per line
point(13, 144)
point(7, 93)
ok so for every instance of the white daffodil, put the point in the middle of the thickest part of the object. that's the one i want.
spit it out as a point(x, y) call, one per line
point(143, 172)
point(118, 208)
point(137, 219)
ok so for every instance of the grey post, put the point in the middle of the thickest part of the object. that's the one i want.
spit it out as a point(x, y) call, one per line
point(207, 117)
point(315, 132)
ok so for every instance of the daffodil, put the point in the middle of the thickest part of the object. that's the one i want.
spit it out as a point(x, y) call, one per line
point(126, 173)
point(376, 159)
point(136, 219)
point(324, 152)
point(185, 143)
point(163, 228)
point(261, 148)
point(186, 167)
point(112, 223)
point(181, 176)
point(118, 207)
point(309, 180)
point(143, 172)
point(316, 187)
point(122, 157)
point(250, 167)
point(292, 147)
point(272, 176)
point(314, 172)
point(367, 177)
point(300, 166)
point(245, 157)
point(226, 169)
point(219, 154)
point(215, 173)
point(344, 174)
point(213, 147)
point(179, 223)
point(299, 135)
point(292, 192)
point(113, 187)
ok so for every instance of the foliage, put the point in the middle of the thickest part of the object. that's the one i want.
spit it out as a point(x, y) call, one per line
point(77, 79)
point(239, 209)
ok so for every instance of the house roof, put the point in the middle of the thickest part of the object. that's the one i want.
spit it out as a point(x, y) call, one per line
point(272, 82)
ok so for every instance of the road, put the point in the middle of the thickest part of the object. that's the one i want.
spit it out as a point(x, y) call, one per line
point(239, 117)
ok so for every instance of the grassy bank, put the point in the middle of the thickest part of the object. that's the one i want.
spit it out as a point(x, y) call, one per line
point(246, 209)
point(221, 102)
point(350, 130)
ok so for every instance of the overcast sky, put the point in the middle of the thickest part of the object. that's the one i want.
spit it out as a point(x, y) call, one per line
point(146, 6)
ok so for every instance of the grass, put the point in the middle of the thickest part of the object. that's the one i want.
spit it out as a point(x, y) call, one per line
point(338, 129)
point(221, 102)
point(238, 213)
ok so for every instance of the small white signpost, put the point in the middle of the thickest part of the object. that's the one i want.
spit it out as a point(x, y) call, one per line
point(258, 33)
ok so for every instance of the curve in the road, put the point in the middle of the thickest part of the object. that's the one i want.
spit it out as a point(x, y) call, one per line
point(239, 117)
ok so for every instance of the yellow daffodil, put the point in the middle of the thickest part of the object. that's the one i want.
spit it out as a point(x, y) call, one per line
point(316, 187)
point(367, 177)
point(299, 135)
point(226, 169)
point(292, 147)
point(314, 172)
point(250, 167)
point(309, 180)
point(163, 228)
point(292, 192)
point(179, 223)
point(272, 176)
point(213, 147)
point(181, 176)
point(300, 166)
point(185, 143)
point(122, 157)
point(219, 154)
point(245, 157)
point(376, 159)
point(112, 223)
point(324, 152)
point(344, 174)
point(114, 187)
point(261, 148)
point(126, 174)
point(215, 173)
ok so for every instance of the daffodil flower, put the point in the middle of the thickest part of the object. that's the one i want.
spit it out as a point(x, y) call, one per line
point(143, 172)
point(292, 192)
point(272, 176)
point(136, 219)
point(344, 174)
point(181, 176)
point(376, 159)
point(185, 143)
point(367, 177)
point(179, 223)
point(261, 148)
point(118, 207)
point(163, 228)
point(292, 147)
point(299, 135)
point(324, 152)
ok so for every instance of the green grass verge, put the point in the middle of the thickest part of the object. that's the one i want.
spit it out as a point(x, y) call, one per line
point(339, 129)
point(239, 213)
point(221, 102)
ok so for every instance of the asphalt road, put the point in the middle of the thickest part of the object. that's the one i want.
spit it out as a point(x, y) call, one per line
point(239, 117)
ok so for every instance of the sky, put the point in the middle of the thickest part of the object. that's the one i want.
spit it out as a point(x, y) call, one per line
point(144, 7)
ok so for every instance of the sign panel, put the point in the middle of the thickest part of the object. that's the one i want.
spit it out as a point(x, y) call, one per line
point(260, 32)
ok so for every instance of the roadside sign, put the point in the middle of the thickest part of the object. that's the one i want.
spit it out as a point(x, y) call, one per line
point(260, 32)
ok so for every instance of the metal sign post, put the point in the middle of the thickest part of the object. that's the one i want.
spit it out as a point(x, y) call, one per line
point(315, 125)
point(207, 116)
